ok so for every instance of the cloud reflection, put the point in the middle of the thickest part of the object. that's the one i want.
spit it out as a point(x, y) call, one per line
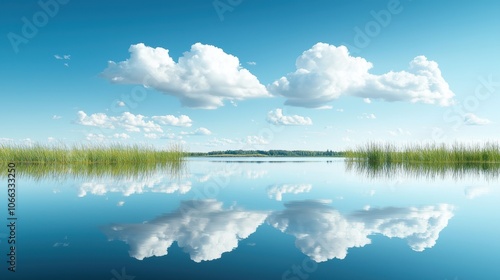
point(159, 184)
point(323, 233)
point(201, 228)
point(204, 230)
point(276, 191)
point(472, 192)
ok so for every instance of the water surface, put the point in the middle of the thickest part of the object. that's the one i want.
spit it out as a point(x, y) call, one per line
point(256, 218)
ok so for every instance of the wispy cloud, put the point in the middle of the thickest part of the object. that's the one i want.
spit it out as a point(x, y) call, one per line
point(367, 116)
point(198, 131)
point(471, 119)
point(62, 57)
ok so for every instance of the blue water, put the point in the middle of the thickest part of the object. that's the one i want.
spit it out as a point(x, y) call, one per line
point(293, 218)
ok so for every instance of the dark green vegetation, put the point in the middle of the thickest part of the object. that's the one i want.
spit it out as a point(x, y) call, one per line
point(430, 161)
point(81, 161)
point(270, 153)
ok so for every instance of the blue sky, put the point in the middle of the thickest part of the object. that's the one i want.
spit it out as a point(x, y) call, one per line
point(229, 74)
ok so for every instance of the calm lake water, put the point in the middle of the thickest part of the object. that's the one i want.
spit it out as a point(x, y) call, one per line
point(254, 218)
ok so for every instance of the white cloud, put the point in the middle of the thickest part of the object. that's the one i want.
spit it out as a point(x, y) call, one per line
point(276, 191)
point(252, 63)
point(120, 104)
point(63, 57)
point(323, 233)
point(471, 119)
point(326, 72)
point(216, 142)
point(203, 77)
point(324, 107)
point(151, 135)
point(256, 140)
point(134, 123)
point(131, 122)
point(95, 137)
point(120, 203)
point(367, 116)
point(98, 120)
point(182, 120)
point(202, 131)
point(346, 139)
point(121, 136)
point(367, 100)
point(276, 117)
point(202, 228)
point(56, 117)
point(476, 191)
point(399, 132)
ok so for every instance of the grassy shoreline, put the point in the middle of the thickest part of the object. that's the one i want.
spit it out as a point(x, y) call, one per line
point(60, 162)
point(378, 153)
point(114, 154)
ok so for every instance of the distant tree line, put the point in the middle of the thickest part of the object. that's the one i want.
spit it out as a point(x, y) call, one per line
point(272, 153)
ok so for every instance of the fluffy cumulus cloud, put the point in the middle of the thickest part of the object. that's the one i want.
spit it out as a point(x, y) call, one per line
point(472, 119)
point(326, 72)
point(277, 191)
point(201, 228)
point(182, 120)
point(198, 131)
point(203, 77)
point(99, 120)
point(276, 117)
point(202, 131)
point(323, 233)
point(131, 122)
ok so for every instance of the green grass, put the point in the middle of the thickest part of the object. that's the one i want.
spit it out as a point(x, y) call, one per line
point(40, 161)
point(378, 153)
point(425, 160)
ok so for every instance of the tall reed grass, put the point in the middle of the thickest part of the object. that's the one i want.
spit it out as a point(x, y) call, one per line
point(378, 153)
point(59, 161)
point(113, 154)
